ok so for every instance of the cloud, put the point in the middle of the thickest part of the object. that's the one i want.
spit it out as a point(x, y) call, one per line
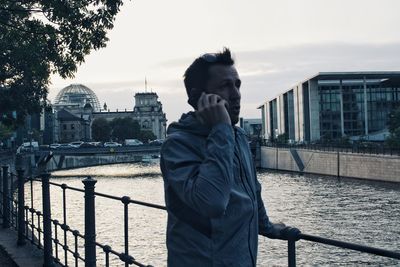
point(264, 74)
point(276, 70)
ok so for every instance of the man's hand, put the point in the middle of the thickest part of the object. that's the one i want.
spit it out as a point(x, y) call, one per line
point(281, 231)
point(212, 109)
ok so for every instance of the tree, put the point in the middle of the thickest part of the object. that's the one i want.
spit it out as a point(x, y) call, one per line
point(40, 37)
point(101, 130)
point(5, 132)
point(394, 128)
point(125, 128)
point(146, 135)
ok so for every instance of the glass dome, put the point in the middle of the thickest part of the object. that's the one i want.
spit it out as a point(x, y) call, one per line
point(77, 94)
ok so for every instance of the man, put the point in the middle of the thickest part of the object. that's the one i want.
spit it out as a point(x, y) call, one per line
point(215, 210)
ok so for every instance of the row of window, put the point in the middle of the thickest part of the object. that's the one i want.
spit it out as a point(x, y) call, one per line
point(71, 126)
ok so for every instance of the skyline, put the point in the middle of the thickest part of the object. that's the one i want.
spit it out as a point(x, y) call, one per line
point(271, 54)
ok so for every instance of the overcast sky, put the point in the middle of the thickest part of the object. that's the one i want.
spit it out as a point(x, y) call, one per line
point(276, 44)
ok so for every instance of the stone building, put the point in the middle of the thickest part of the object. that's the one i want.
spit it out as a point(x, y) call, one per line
point(148, 112)
point(76, 107)
point(73, 108)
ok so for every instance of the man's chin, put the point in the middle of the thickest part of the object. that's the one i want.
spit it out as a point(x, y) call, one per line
point(234, 120)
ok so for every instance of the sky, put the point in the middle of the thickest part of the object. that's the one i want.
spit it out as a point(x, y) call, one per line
point(276, 44)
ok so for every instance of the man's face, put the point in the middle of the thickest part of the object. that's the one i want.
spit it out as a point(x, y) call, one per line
point(224, 81)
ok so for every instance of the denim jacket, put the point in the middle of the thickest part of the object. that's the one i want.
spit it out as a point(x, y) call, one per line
point(215, 210)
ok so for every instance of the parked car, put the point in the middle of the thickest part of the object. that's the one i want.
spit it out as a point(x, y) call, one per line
point(65, 146)
point(112, 144)
point(157, 142)
point(96, 144)
point(76, 144)
point(132, 142)
point(54, 146)
point(87, 145)
point(28, 146)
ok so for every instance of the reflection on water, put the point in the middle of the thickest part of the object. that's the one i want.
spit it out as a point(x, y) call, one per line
point(350, 210)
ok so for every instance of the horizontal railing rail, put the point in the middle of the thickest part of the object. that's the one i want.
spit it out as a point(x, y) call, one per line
point(352, 246)
point(37, 226)
point(379, 150)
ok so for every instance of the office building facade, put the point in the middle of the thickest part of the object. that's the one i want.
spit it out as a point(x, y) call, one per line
point(333, 105)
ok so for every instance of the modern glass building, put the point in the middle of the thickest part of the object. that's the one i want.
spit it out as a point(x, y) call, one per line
point(332, 105)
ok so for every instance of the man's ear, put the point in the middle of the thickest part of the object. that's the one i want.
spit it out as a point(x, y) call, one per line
point(194, 96)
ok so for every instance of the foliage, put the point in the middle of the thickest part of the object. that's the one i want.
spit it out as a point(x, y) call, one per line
point(282, 138)
point(101, 130)
point(394, 128)
point(119, 129)
point(146, 135)
point(40, 37)
point(124, 128)
point(5, 132)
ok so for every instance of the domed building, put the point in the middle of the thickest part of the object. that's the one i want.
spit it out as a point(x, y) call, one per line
point(76, 96)
point(76, 107)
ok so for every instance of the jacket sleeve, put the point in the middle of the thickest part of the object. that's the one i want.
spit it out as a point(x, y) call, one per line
point(203, 182)
point(264, 224)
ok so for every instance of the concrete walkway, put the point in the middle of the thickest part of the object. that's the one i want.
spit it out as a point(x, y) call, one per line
point(13, 255)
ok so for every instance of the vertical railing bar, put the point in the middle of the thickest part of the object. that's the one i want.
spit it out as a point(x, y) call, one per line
point(6, 219)
point(31, 211)
point(76, 248)
point(107, 250)
point(126, 231)
point(39, 229)
point(47, 242)
point(26, 221)
point(291, 253)
point(56, 239)
point(63, 186)
point(90, 222)
point(21, 207)
point(1, 191)
point(11, 201)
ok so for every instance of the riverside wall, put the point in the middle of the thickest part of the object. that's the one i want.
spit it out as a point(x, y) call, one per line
point(354, 165)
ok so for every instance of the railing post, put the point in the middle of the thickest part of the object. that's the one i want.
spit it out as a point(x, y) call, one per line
point(47, 242)
point(291, 253)
point(90, 223)
point(21, 208)
point(6, 206)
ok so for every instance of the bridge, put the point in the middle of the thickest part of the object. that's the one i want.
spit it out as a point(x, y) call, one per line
point(85, 157)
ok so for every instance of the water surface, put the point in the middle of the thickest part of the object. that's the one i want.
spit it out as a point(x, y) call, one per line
point(350, 210)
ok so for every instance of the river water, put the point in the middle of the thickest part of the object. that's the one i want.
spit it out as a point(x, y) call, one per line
point(350, 210)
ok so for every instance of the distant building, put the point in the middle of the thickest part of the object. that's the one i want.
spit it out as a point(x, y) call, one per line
point(252, 127)
point(76, 107)
point(332, 105)
point(72, 127)
point(73, 108)
point(147, 111)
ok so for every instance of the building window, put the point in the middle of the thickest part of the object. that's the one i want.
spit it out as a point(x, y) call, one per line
point(64, 127)
point(72, 126)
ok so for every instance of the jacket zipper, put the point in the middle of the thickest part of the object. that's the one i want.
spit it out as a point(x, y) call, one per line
point(237, 152)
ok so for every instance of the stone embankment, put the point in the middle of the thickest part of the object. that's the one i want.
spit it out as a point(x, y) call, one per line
point(354, 165)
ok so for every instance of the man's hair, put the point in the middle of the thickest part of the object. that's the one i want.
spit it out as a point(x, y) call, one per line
point(196, 76)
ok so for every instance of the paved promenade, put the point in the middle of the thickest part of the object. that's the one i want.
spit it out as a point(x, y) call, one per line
point(13, 255)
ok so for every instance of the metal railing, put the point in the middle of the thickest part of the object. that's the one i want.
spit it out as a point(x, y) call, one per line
point(378, 150)
point(37, 226)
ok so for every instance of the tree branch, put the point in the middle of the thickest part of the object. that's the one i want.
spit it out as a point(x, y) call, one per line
point(20, 29)
point(20, 10)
